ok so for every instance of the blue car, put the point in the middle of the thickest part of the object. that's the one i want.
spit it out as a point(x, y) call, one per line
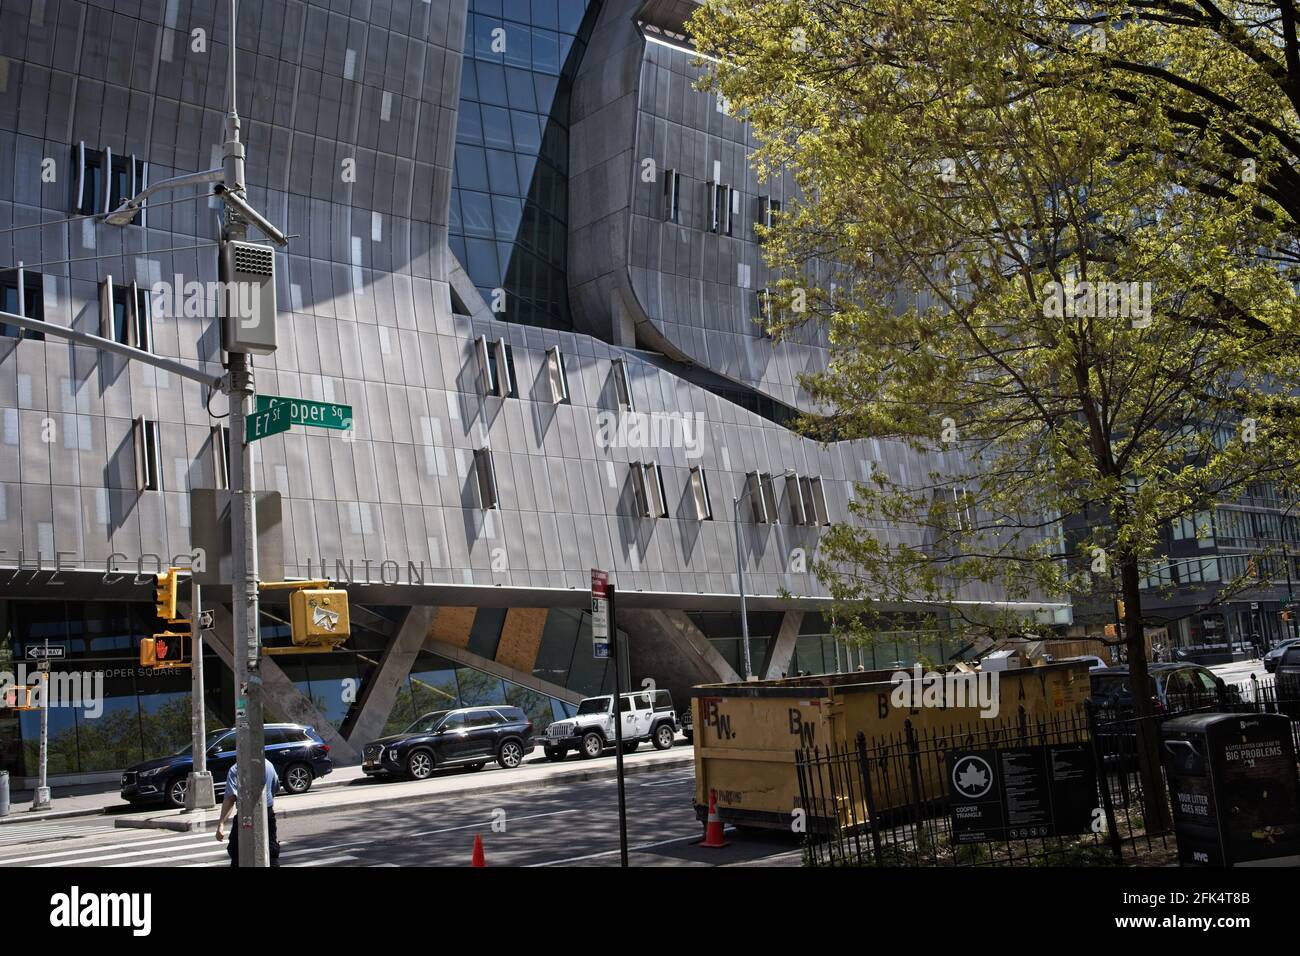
point(297, 752)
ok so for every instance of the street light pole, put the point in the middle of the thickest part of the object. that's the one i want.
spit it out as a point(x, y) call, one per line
point(249, 734)
point(41, 799)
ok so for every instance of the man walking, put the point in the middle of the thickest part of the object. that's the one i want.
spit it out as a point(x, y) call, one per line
point(228, 804)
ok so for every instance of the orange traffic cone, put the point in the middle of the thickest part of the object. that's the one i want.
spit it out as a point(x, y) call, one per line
point(478, 859)
point(713, 829)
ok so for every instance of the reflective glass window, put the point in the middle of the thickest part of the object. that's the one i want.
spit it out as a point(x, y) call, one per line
point(503, 176)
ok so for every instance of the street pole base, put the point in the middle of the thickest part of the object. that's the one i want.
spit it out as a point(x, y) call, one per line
point(42, 799)
point(199, 794)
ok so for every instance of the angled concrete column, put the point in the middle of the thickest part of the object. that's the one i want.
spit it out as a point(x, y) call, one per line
point(281, 694)
point(691, 643)
point(379, 693)
point(459, 655)
point(781, 649)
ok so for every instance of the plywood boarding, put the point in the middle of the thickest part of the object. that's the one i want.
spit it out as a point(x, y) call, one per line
point(521, 636)
point(452, 625)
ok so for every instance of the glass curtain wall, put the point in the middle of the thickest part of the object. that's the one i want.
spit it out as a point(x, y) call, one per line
point(146, 712)
point(510, 198)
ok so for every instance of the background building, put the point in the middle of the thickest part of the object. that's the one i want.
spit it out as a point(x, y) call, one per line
point(481, 271)
point(1225, 577)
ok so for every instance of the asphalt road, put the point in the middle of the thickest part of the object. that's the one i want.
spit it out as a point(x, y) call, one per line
point(1238, 672)
point(574, 824)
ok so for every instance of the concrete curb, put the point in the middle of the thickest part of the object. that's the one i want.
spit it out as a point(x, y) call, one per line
point(28, 817)
point(177, 820)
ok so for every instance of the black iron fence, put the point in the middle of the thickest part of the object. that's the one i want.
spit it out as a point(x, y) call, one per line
point(889, 801)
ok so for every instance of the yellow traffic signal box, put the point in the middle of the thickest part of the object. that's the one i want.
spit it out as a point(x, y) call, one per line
point(171, 649)
point(165, 595)
point(318, 617)
point(147, 654)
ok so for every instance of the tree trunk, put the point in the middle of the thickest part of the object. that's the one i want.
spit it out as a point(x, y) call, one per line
point(1156, 804)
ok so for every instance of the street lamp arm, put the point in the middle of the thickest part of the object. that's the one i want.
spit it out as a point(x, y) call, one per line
point(108, 345)
point(123, 214)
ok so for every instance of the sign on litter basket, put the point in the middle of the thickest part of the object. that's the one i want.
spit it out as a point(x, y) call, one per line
point(1232, 788)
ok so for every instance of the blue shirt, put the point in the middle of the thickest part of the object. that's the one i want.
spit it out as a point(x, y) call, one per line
point(272, 782)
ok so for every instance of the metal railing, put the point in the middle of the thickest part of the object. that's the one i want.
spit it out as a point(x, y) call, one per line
point(886, 801)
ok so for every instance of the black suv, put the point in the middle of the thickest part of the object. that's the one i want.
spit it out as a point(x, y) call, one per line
point(297, 752)
point(467, 737)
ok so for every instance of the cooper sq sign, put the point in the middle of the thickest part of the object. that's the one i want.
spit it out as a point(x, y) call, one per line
point(274, 414)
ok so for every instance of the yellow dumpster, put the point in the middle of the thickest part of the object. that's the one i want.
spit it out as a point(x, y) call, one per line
point(747, 734)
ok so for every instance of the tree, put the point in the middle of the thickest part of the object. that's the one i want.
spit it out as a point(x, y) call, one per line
point(1066, 253)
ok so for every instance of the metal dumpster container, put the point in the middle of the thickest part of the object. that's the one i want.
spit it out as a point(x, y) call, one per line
point(747, 734)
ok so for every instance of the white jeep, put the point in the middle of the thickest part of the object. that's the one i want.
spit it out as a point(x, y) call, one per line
point(646, 715)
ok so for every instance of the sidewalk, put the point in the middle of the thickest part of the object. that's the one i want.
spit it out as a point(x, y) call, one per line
point(85, 801)
point(349, 788)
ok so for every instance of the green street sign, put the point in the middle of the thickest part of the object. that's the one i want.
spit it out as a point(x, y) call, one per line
point(268, 421)
point(303, 412)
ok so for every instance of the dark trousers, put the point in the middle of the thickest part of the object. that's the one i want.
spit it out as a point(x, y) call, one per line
point(273, 844)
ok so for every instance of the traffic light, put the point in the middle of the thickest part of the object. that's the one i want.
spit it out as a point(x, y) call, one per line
point(165, 595)
point(147, 653)
point(319, 618)
point(1112, 630)
point(1286, 615)
point(171, 649)
point(1119, 610)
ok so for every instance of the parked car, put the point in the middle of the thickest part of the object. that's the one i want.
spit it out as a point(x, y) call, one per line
point(297, 752)
point(468, 737)
point(1287, 684)
point(686, 723)
point(647, 715)
point(1174, 687)
point(1273, 656)
point(663, 707)
point(1094, 662)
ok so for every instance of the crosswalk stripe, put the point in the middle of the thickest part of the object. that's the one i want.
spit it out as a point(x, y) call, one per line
point(318, 849)
point(328, 861)
point(168, 846)
point(175, 856)
point(25, 832)
point(145, 837)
